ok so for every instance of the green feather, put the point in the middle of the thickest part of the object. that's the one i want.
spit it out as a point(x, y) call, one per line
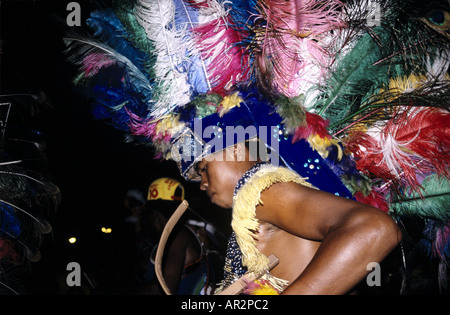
point(207, 104)
point(433, 201)
point(135, 32)
point(366, 62)
point(291, 109)
point(356, 78)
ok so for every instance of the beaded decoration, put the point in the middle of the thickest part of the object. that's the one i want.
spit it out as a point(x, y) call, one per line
point(233, 268)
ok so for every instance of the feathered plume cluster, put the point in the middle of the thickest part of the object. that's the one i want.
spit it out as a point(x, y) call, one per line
point(365, 83)
point(147, 60)
point(27, 195)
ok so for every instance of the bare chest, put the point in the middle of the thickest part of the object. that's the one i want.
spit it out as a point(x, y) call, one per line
point(293, 252)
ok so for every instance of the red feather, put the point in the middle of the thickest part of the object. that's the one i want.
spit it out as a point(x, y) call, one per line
point(366, 153)
point(374, 199)
point(7, 250)
point(427, 134)
point(413, 143)
point(315, 124)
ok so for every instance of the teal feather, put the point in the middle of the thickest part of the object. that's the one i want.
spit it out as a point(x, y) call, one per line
point(432, 201)
point(135, 34)
point(355, 79)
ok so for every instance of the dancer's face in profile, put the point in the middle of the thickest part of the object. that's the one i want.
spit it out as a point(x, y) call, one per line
point(220, 173)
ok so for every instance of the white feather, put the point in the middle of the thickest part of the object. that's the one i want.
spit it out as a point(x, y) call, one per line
point(391, 149)
point(157, 17)
point(393, 153)
point(212, 10)
point(438, 68)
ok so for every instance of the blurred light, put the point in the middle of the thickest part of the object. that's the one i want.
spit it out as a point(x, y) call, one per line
point(106, 230)
point(72, 240)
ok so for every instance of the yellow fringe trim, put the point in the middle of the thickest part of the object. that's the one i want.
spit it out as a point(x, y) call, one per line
point(244, 222)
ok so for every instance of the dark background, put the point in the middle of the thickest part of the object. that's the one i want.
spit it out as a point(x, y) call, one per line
point(88, 160)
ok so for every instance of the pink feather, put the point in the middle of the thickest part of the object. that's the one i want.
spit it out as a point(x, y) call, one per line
point(145, 128)
point(92, 63)
point(141, 127)
point(228, 63)
point(197, 3)
point(293, 40)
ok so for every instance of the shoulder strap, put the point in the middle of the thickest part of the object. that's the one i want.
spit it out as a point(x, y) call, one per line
point(162, 243)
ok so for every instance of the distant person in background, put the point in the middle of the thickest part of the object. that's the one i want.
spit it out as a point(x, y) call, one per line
point(134, 202)
point(186, 268)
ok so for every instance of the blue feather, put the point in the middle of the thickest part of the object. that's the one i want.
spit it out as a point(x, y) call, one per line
point(109, 28)
point(112, 97)
point(114, 104)
point(242, 11)
point(9, 223)
point(186, 17)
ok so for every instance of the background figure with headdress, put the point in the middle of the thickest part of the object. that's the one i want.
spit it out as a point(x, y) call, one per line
point(188, 267)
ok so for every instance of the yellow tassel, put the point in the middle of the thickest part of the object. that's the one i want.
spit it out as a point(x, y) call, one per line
point(265, 290)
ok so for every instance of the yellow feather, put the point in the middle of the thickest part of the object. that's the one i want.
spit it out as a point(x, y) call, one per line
point(263, 289)
point(321, 144)
point(230, 102)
